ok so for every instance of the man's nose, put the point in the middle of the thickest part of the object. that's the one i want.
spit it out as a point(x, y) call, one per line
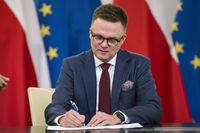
point(104, 43)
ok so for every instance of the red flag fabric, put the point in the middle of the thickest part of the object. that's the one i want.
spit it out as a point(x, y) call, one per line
point(145, 35)
point(18, 62)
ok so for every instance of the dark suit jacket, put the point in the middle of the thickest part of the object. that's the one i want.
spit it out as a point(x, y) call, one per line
point(77, 81)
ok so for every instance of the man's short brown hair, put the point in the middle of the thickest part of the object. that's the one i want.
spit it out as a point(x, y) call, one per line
point(111, 13)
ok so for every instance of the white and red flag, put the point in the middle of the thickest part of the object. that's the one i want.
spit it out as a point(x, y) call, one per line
point(22, 58)
point(149, 33)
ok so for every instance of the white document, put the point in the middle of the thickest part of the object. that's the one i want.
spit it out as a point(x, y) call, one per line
point(132, 125)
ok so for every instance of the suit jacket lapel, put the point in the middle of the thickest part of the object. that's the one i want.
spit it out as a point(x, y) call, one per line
point(89, 78)
point(121, 74)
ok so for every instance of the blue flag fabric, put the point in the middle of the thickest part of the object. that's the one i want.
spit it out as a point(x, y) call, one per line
point(186, 38)
point(64, 25)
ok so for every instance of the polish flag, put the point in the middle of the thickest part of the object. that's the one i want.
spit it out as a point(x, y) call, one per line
point(23, 60)
point(148, 33)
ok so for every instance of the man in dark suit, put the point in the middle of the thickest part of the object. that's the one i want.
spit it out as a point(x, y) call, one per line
point(109, 85)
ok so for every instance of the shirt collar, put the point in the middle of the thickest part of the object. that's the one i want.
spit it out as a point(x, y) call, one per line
point(99, 62)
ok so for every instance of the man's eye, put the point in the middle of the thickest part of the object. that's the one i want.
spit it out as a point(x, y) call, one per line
point(112, 40)
point(98, 37)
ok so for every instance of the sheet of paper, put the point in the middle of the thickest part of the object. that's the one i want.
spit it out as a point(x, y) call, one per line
point(132, 125)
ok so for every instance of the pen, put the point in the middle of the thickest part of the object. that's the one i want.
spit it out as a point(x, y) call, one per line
point(75, 107)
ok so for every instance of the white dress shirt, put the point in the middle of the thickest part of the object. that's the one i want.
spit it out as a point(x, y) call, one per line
point(111, 70)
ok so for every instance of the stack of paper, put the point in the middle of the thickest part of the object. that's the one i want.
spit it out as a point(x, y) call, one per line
point(132, 125)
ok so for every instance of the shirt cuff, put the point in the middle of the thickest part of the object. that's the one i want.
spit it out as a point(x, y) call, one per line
point(57, 118)
point(126, 121)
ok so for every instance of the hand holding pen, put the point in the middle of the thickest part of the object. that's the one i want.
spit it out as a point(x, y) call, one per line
point(72, 118)
point(76, 109)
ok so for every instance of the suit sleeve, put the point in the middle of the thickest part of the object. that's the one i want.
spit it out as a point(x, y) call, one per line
point(63, 93)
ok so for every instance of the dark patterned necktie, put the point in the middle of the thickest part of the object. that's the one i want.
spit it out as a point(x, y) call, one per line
point(104, 90)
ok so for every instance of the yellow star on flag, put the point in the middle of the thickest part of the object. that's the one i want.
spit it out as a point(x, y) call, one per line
point(45, 10)
point(179, 47)
point(195, 62)
point(180, 6)
point(52, 53)
point(174, 27)
point(45, 30)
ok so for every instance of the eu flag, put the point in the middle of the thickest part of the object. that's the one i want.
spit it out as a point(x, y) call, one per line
point(64, 25)
point(186, 36)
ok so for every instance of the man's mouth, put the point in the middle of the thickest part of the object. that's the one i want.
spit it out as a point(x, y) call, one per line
point(103, 51)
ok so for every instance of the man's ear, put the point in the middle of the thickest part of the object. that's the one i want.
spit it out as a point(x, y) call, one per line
point(90, 35)
point(124, 38)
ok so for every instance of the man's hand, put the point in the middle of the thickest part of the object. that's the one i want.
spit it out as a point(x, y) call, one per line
point(102, 119)
point(3, 82)
point(72, 119)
